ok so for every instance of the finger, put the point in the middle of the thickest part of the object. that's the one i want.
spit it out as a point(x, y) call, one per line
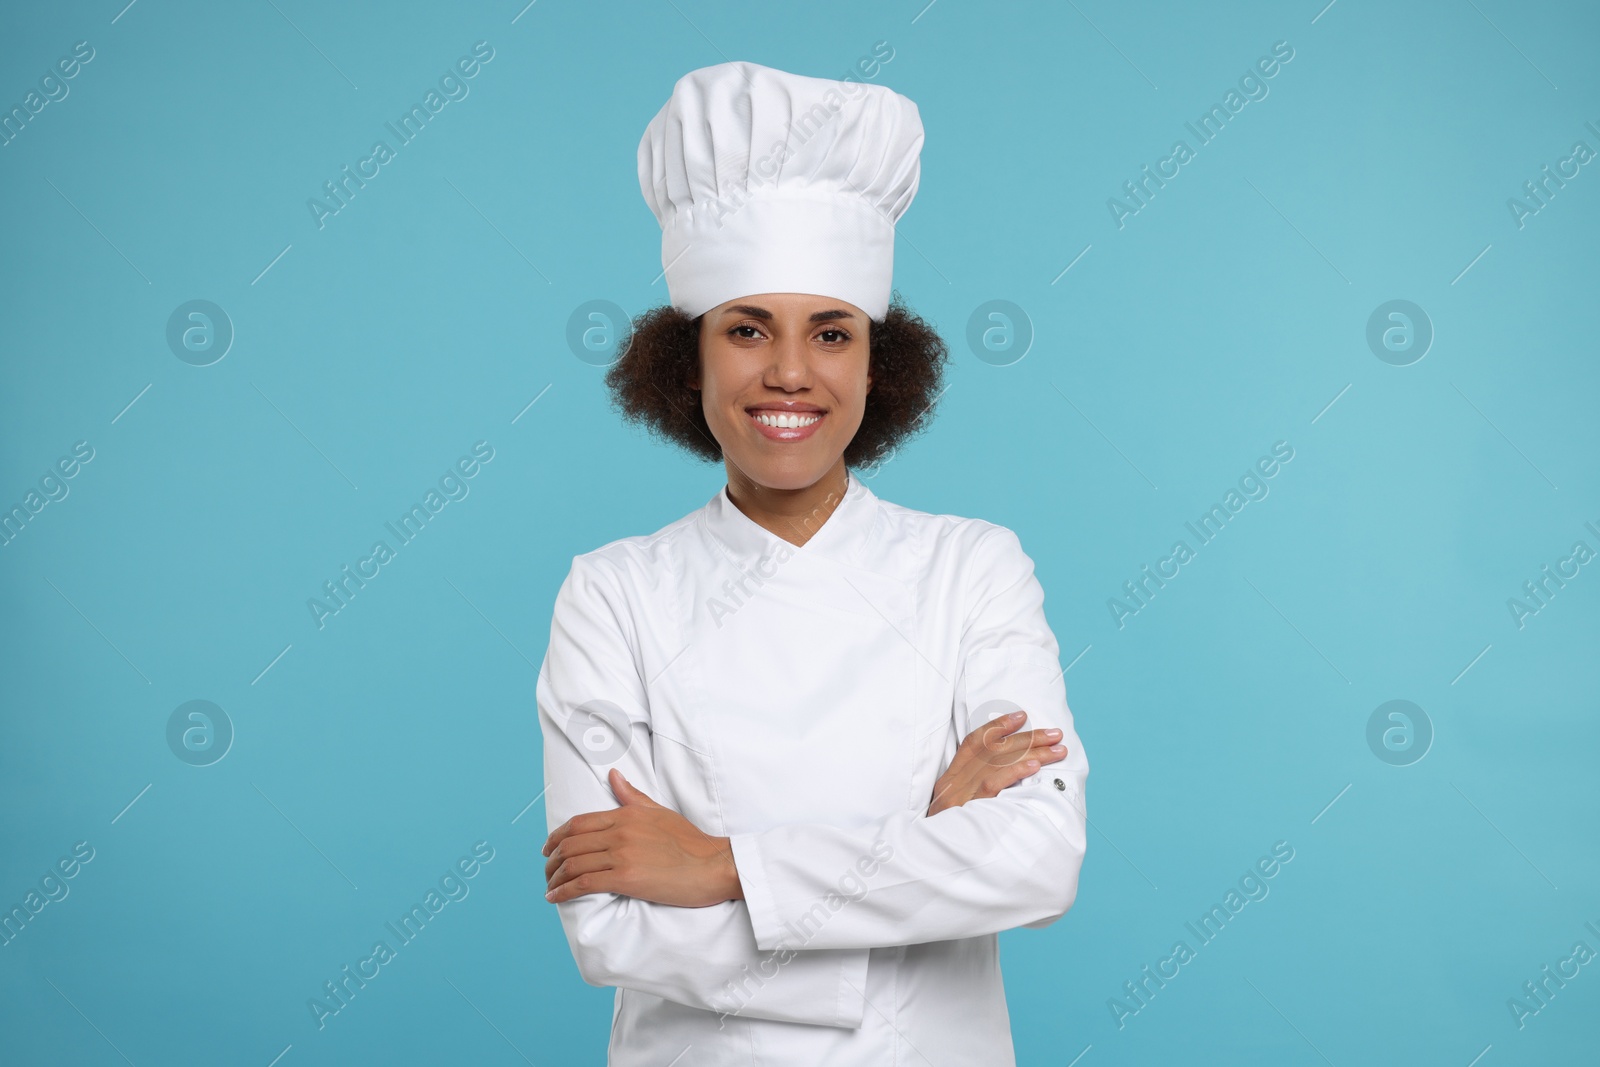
point(1047, 753)
point(990, 736)
point(576, 845)
point(577, 866)
point(1026, 769)
point(555, 837)
point(993, 783)
point(1016, 773)
point(626, 792)
point(1051, 753)
point(594, 882)
point(586, 823)
point(1005, 724)
point(1008, 750)
point(941, 790)
point(1017, 746)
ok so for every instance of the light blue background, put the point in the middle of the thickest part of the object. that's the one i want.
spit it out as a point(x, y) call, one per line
point(1225, 316)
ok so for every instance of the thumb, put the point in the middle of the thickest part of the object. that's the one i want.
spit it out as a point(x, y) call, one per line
point(626, 792)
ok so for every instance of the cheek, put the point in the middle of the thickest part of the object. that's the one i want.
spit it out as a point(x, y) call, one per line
point(721, 382)
point(711, 376)
point(852, 388)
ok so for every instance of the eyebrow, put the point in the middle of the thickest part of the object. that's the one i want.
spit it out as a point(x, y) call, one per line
point(763, 313)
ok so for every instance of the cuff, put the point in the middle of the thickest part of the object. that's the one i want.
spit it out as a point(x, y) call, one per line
point(757, 889)
point(850, 1004)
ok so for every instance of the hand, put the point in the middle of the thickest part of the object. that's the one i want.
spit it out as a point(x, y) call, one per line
point(641, 849)
point(992, 757)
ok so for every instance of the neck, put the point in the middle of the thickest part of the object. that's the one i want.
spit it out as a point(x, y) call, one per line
point(792, 514)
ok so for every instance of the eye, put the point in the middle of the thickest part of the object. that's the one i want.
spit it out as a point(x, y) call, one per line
point(840, 336)
point(754, 331)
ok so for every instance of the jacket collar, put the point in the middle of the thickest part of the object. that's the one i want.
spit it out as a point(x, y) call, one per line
point(842, 537)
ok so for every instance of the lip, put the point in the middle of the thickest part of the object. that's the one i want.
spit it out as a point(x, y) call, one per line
point(792, 406)
point(786, 434)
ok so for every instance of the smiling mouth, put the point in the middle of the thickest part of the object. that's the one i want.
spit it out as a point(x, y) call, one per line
point(786, 425)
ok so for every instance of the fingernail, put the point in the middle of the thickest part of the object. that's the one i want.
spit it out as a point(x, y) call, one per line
point(1032, 764)
point(1052, 733)
point(1014, 716)
point(550, 894)
point(1058, 749)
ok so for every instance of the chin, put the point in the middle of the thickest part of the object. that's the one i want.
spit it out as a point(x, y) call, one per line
point(795, 472)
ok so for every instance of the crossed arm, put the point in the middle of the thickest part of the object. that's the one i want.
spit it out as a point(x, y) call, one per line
point(651, 903)
point(644, 850)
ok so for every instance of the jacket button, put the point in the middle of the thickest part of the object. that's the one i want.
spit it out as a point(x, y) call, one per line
point(1060, 784)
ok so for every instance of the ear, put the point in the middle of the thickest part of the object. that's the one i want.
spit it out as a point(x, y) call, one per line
point(869, 355)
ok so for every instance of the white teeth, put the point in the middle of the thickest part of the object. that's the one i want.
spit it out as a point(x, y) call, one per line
point(785, 422)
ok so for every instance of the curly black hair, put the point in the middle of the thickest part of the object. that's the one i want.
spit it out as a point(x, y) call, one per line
point(650, 384)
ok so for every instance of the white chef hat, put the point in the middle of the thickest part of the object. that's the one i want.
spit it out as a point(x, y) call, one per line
point(770, 182)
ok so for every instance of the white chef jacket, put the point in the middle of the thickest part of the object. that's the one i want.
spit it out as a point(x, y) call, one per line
point(802, 700)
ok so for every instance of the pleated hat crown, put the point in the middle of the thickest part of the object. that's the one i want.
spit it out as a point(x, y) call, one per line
point(769, 182)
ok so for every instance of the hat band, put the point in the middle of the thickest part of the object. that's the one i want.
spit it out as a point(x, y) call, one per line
point(822, 245)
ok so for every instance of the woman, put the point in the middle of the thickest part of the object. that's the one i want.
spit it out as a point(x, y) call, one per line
point(783, 824)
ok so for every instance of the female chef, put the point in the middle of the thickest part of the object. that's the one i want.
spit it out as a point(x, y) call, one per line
point(790, 800)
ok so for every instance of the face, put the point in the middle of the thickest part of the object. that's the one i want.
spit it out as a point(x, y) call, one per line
point(783, 382)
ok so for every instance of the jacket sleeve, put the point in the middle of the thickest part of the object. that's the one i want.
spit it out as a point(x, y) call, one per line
point(594, 715)
point(991, 864)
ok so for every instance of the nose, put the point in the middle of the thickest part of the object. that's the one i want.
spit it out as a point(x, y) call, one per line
point(790, 368)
